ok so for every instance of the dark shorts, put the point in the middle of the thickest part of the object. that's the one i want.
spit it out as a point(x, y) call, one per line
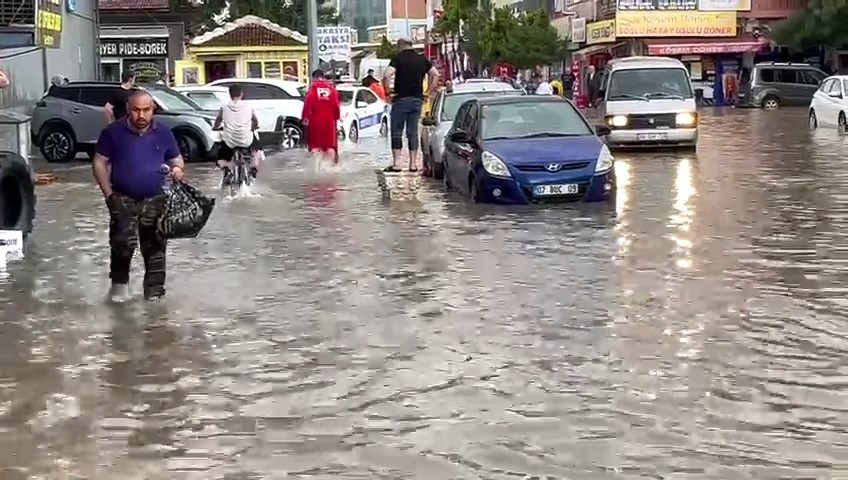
point(405, 114)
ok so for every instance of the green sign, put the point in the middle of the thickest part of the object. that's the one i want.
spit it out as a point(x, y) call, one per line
point(48, 23)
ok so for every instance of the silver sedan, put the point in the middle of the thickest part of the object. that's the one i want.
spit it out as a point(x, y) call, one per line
point(435, 126)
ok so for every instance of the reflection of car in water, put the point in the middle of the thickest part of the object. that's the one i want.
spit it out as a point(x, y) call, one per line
point(209, 98)
point(435, 126)
point(648, 101)
point(69, 119)
point(362, 113)
point(526, 149)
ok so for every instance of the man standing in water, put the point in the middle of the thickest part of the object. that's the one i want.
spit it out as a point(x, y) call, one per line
point(321, 113)
point(116, 107)
point(408, 69)
point(128, 164)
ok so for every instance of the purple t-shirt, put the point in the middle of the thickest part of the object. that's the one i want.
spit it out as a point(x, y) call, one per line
point(136, 159)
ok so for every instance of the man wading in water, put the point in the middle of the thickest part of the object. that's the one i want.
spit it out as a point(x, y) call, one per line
point(408, 69)
point(128, 168)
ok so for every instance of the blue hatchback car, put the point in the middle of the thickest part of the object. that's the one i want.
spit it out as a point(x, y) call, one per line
point(527, 149)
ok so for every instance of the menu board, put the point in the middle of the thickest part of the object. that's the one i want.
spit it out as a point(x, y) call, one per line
point(657, 5)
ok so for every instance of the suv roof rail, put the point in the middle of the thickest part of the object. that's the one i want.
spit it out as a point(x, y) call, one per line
point(784, 64)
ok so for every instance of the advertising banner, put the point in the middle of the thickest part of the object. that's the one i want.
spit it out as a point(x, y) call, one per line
point(675, 24)
point(578, 30)
point(656, 5)
point(724, 5)
point(600, 32)
point(48, 23)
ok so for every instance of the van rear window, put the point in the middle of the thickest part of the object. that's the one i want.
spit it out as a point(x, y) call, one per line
point(649, 83)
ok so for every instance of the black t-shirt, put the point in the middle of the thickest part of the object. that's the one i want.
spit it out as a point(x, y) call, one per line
point(119, 102)
point(410, 70)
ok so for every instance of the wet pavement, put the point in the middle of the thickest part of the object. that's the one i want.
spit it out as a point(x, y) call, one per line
point(694, 329)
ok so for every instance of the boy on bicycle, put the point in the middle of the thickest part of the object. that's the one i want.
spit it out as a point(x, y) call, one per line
point(237, 122)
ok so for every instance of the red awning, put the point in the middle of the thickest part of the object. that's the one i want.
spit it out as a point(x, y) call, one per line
point(704, 46)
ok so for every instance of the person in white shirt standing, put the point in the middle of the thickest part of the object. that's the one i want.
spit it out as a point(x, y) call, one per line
point(544, 88)
point(237, 122)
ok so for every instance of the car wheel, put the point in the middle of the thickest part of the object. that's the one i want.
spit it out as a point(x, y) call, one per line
point(292, 136)
point(384, 127)
point(438, 170)
point(17, 194)
point(353, 134)
point(813, 121)
point(842, 124)
point(473, 190)
point(446, 177)
point(57, 144)
point(771, 103)
point(188, 146)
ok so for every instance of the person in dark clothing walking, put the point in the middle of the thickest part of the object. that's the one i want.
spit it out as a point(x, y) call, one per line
point(593, 85)
point(116, 107)
point(407, 69)
point(567, 80)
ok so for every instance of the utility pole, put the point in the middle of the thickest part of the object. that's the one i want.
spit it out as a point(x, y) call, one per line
point(312, 35)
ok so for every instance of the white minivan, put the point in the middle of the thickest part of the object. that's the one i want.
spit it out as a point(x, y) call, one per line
point(649, 101)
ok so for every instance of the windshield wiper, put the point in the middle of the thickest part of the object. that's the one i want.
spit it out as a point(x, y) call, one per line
point(627, 95)
point(664, 94)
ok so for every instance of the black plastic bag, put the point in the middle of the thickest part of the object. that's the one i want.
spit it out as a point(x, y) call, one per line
point(186, 212)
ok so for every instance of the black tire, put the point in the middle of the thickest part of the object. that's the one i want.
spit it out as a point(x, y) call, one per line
point(427, 160)
point(771, 102)
point(813, 122)
point(353, 133)
point(446, 177)
point(292, 136)
point(384, 127)
point(473, 191)
point(17, 194)
point(188, 146)
point(438, 170)
point(57, 144)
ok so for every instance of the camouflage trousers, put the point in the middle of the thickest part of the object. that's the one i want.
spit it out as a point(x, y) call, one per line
point(132, 224)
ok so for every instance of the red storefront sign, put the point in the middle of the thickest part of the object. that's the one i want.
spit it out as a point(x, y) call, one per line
point(704, 48)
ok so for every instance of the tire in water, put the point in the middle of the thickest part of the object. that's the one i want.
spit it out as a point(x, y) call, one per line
point(17, 194)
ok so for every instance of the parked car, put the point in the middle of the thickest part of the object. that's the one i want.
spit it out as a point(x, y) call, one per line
point(435, 126)
point(648, 101)
point(527, 149)
point(209, 98)
point(773, 85)
point(829, 104)
point(278, 105)
point(69, 119)
point(363, 113)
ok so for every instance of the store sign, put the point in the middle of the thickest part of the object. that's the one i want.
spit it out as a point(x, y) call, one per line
point(704, 48)
point(141, 48)
point(656, 5)
point(578, 30)
point(724, 5)
point(48, 23)
point(334, 43)
point(600, 32)
point(675, 24)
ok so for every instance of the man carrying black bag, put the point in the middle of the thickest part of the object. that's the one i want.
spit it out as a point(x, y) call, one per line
point(127, 166)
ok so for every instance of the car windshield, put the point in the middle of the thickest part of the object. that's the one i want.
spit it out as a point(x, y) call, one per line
point(454, 101)
point(172, 100)
point(346, 97)
point(532, 120)
point(649, 84)
point(206, 100)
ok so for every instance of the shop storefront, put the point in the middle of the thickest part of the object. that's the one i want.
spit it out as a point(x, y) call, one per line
point(128, 49)
point(250, 47)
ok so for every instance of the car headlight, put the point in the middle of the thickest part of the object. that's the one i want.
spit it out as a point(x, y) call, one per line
point(494, 165)
point(686, 119)
point(605, 160)
point(617, 121)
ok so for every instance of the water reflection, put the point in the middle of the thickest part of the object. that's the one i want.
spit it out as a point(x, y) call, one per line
point(684, 213)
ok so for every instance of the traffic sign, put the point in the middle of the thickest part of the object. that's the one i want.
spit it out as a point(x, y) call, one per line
point(334, 43)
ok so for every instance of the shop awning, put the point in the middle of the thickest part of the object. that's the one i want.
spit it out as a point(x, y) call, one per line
point(704, 46)
point(593, 49)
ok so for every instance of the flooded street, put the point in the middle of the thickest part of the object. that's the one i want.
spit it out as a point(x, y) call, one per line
point(694, 329)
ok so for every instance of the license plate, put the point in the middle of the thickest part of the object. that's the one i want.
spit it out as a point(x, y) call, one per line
point(651, 136)
point(569, 189)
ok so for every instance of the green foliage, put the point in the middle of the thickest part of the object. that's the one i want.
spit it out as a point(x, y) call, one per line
point(524, 41)
point(822, 23)
point(386, 49)
point(289, 14)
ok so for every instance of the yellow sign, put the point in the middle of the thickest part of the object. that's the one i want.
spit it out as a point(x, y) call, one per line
point(48, 23)
point(675, 24)
point(600, 32)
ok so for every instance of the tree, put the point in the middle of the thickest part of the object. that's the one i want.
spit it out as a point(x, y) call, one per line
point(286, 13)
point(524, 40)
point(386, 49)
point(821, 23)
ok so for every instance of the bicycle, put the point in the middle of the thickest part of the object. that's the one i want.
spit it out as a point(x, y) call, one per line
point(239, 174)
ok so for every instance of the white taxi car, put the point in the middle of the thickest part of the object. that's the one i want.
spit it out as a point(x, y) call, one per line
point(362, 112)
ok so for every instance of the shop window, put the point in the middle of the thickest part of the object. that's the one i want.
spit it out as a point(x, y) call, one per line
point(110, 72)
point(272, 69)
point(254, 69)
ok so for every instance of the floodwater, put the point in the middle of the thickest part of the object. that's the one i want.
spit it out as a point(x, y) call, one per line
point(694, 329)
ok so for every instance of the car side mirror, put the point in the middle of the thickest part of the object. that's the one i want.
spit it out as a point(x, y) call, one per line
point(361, 104)
point(460, 136)
point(428, 122)
point(602, 130)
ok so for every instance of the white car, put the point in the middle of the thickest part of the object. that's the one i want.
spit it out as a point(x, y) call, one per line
point(829, 107)
point(209, 98)
point(278, 105)
point(362, 112)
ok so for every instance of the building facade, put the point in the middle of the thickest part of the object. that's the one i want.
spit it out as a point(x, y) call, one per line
point(361, 15)
point(71, 52)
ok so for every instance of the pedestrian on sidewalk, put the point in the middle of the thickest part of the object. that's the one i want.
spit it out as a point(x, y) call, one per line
point(407, 69)
point(116, 107)
point(593, 86)
point(128, 166)
point(321, 113)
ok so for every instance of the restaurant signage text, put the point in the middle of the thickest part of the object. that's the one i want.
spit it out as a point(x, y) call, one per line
point(600, 32)
point(675, 24)
point(48, 23)
point(724, 5)
point(138, 49)
point(656, 5)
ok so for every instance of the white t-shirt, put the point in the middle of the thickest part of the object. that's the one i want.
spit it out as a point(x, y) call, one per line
point(544, 88)
point(237, 123)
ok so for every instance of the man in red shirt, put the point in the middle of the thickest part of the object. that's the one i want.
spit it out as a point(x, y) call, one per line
point(321, 113)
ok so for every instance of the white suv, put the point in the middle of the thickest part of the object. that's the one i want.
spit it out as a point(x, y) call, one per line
point(278, 104)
